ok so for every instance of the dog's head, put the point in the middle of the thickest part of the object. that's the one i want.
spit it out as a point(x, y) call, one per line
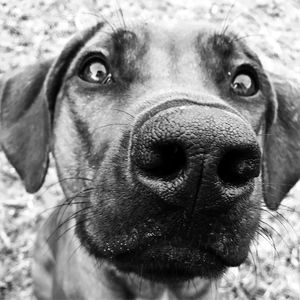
point(165, 140)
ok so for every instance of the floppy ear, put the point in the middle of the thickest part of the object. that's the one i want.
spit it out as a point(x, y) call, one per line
point(25, 124)
point(281, 161)
point(27, 102)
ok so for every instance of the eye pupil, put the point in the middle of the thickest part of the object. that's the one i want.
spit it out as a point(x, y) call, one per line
point(95, 70)
point(243, 81)
point(244, 85)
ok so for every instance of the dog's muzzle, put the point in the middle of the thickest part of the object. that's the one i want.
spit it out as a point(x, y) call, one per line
point(183, 193)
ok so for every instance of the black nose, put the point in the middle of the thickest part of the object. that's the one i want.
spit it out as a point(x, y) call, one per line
point(188, 152)
point(238, 166)
point(166, 161)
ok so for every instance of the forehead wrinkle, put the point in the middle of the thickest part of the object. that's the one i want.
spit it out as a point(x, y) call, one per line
point(158, 56)
point(187, 59)
point(172, 58)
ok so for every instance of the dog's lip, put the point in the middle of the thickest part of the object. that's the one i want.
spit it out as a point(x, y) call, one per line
point(156, 245)
point(167, 263)
point(153, 243)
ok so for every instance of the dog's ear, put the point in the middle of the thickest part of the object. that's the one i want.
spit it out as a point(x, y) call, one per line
point(27, 101)
point(25, 123)
point(281, 161)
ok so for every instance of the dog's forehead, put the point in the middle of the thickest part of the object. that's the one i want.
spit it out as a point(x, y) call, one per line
point(161, 34)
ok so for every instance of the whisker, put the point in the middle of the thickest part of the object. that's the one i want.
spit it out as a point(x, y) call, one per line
point(122, 14)
point(62, 205)
point(102, 18)
point(60, 225)
point(123, 111)
point(64, 180)
point(239, 38)
point(109, 125)
point(225, 24)
point(80, 194)
point(69, 201)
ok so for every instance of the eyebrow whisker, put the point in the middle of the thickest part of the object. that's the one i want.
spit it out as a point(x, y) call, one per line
point(225, 24)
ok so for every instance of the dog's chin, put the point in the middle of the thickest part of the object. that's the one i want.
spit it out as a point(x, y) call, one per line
point(169, 265)
point(164, 261)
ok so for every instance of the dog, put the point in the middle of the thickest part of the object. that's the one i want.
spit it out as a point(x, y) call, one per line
point(166, 140)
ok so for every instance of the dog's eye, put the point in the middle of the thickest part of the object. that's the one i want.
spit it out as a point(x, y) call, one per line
point(95, 70)
point(244, 84)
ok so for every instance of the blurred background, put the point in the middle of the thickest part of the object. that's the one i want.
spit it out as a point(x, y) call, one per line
point(31, 31)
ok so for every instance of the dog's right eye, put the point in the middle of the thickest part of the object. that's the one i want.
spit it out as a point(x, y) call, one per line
point(95, 70)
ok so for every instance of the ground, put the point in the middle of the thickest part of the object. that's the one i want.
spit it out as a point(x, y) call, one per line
point(35, 30)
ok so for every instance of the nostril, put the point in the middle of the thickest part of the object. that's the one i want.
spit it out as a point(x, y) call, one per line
point(238, 166)
point(167, 161)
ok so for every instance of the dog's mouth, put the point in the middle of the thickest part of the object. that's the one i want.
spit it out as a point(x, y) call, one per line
point(167, 260)
point(167, 255)
point(170, 264)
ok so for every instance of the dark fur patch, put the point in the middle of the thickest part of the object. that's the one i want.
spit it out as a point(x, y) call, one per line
point(86, 139)
point(129, 52)
point(222, 44)
point(94, 157)
point(215, 53)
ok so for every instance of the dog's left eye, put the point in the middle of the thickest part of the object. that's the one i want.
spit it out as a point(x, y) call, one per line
point(244, 84)
point(95, 70)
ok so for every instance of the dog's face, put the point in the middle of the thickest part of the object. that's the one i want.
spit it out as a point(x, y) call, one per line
point(158, 135)
point(169, 155)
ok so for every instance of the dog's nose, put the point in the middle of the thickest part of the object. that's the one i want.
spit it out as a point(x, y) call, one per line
point(194, 152)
